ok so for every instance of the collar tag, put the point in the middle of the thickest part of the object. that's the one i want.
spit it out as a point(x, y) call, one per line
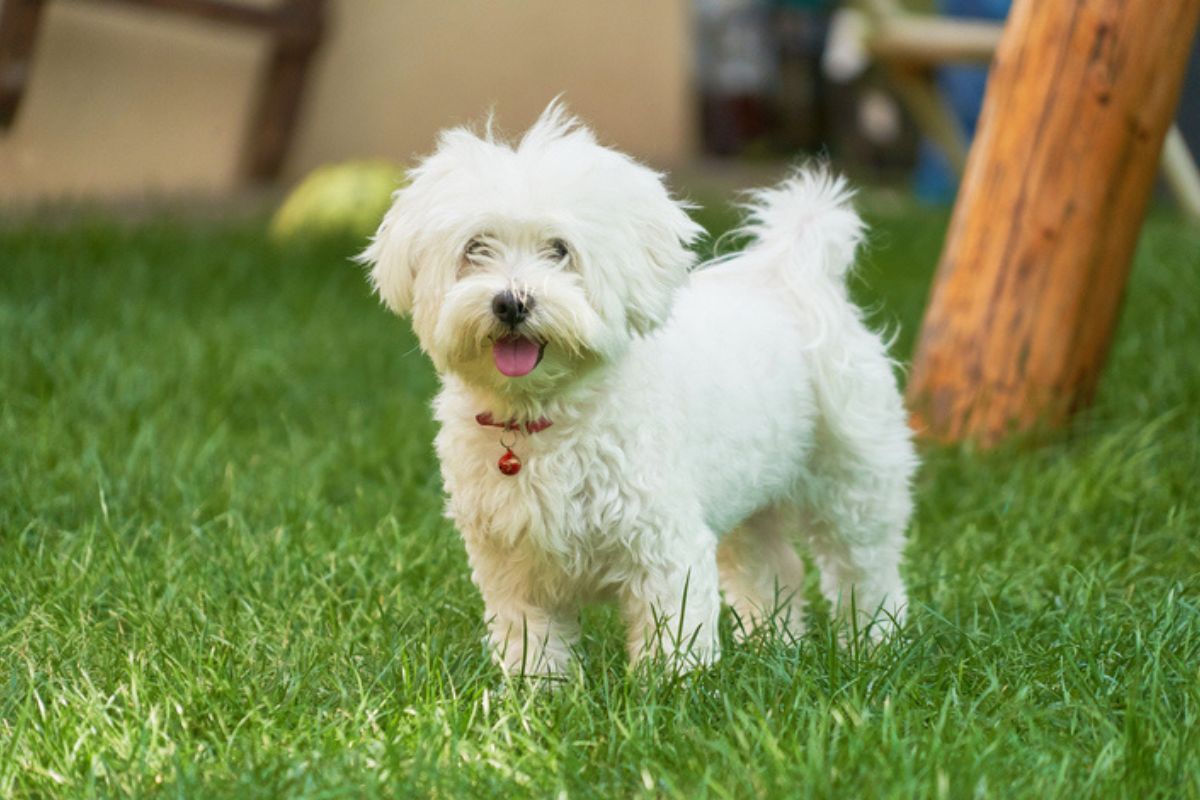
point(510, 463)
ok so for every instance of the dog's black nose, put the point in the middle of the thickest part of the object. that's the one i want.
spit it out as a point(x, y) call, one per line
point(510, 309)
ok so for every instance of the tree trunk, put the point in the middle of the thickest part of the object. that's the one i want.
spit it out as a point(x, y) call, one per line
point(1039, 248)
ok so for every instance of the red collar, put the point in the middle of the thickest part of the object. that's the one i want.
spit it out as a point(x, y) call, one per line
point(532, 426)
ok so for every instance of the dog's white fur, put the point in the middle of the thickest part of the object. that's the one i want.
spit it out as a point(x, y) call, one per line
point(701, 420)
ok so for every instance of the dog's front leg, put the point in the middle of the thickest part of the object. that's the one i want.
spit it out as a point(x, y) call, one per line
point(672, 604)
point(531, 642)
point(529, 637)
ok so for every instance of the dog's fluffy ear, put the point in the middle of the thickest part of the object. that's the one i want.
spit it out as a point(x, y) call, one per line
point(391, 257)
point(664, 232)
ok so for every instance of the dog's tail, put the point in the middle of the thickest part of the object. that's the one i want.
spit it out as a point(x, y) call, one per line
point(804, 236)
point(806, 226)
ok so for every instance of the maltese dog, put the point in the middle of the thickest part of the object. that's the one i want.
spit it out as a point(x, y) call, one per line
point(618, 425)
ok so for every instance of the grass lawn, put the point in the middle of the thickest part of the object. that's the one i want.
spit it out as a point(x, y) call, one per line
point(224, 570)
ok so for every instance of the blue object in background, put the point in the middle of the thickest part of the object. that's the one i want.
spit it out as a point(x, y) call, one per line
point(962, 86)
point(1188, 117)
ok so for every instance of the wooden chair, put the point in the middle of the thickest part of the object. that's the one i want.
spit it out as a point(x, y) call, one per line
point(909, 46)
point(294, 26)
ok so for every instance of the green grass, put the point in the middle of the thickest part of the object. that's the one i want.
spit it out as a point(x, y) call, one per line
point(224, 570)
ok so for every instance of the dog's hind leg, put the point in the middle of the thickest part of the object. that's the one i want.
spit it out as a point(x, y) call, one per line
point(761, 574)
point(856, 521)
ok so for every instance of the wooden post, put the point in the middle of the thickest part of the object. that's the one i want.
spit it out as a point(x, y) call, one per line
point(1039, 248)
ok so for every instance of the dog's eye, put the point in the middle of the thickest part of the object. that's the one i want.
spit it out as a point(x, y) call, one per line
point(557, 249)
point(478, 247)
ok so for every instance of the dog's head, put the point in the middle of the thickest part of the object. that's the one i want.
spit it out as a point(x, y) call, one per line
point(526, 266)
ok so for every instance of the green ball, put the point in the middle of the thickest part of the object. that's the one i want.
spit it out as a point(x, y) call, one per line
point(338, 199)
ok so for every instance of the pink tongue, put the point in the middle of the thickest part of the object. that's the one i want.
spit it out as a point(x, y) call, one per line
point(515, 355)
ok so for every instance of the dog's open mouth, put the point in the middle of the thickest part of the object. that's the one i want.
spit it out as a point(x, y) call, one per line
point(516, 355)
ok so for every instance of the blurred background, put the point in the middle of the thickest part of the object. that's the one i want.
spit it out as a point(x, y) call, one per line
point(121, 99)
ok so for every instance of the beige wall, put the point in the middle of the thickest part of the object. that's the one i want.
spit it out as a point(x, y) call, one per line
point(128, 101)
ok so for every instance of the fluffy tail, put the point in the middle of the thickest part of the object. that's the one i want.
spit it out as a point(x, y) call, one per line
point(805, 234)
point(807, 225)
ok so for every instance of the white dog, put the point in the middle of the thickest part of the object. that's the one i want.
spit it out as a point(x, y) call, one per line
point(614, 425)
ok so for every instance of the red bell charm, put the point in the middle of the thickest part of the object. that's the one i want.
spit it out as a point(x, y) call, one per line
point(509, 464)
point(511, 430)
